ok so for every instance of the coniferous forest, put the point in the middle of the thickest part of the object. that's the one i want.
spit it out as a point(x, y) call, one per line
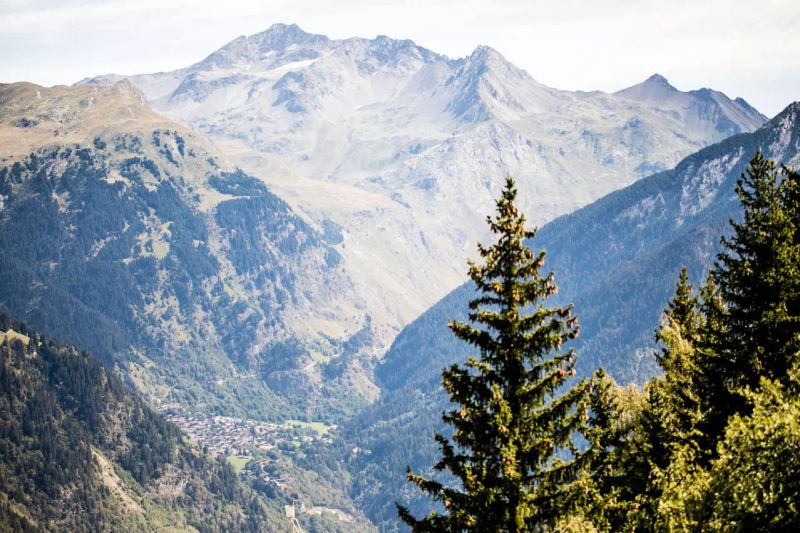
point(80, 452)
point(712, 443)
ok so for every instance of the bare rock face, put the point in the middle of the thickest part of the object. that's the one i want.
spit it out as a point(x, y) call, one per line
point(405, 149)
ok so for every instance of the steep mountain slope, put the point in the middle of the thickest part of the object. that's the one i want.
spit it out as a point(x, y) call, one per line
point(401, 150)
point(701, 109)
point(124, 232)
point(80, 452)
point(616, 259)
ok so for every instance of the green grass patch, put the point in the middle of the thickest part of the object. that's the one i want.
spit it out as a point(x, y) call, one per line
point(238, 462)
point(319, 427)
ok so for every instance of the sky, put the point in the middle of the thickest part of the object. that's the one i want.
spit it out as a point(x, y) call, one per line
point(743, 48)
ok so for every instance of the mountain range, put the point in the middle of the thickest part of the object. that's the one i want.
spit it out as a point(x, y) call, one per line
point(280, 231)
point(400, 150)
point(617, 260)
point(367, 167)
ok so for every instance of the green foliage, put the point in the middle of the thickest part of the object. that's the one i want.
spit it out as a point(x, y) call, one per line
point(753, 485)
point(607, 487)
point(513, 446)
point(758, 274)
point(80, 452)
point(713, 444)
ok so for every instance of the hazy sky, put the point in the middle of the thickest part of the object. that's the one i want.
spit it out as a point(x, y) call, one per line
point(742, 47)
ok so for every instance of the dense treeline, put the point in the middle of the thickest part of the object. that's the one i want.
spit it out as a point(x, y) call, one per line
point(80, 452)
point(712, 443)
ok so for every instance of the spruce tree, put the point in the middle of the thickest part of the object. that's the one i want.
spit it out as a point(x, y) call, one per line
point(753, 485)
point(701, 425)
point(678, 389)
point(682, 312)
point(666, 423)
point(514, 420)
point(758, 276)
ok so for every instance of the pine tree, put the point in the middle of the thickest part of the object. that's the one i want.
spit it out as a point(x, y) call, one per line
point(610, 496)
point(753, 485)
point(682, 312)
point(677, 390)
point(514, 422)
point(758, 276)
point(719, 351)
point(711, 375)
point(665, 424)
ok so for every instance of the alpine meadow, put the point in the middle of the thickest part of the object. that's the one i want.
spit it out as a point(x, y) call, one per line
point(307, 283)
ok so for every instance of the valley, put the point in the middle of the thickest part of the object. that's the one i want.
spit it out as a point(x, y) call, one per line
point(267, 246)
point(395, 152)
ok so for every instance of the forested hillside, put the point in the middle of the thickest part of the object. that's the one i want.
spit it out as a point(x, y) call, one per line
point(80, 452)
point(710, 444)
point(126, 234)
point(616, 260)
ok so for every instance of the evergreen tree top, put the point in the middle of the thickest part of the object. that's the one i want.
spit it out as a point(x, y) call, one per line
point(512, 450)
point(758, 274)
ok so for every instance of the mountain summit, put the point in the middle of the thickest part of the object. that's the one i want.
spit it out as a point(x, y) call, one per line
point(262, 48)
point(702, 108)
point(396, 152)
point(487, 86)
point(654, 89)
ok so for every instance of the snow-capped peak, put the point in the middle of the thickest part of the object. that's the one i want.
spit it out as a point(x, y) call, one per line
point(279, 39)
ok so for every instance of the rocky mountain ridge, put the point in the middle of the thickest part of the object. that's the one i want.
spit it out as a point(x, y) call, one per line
point(402, 149)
